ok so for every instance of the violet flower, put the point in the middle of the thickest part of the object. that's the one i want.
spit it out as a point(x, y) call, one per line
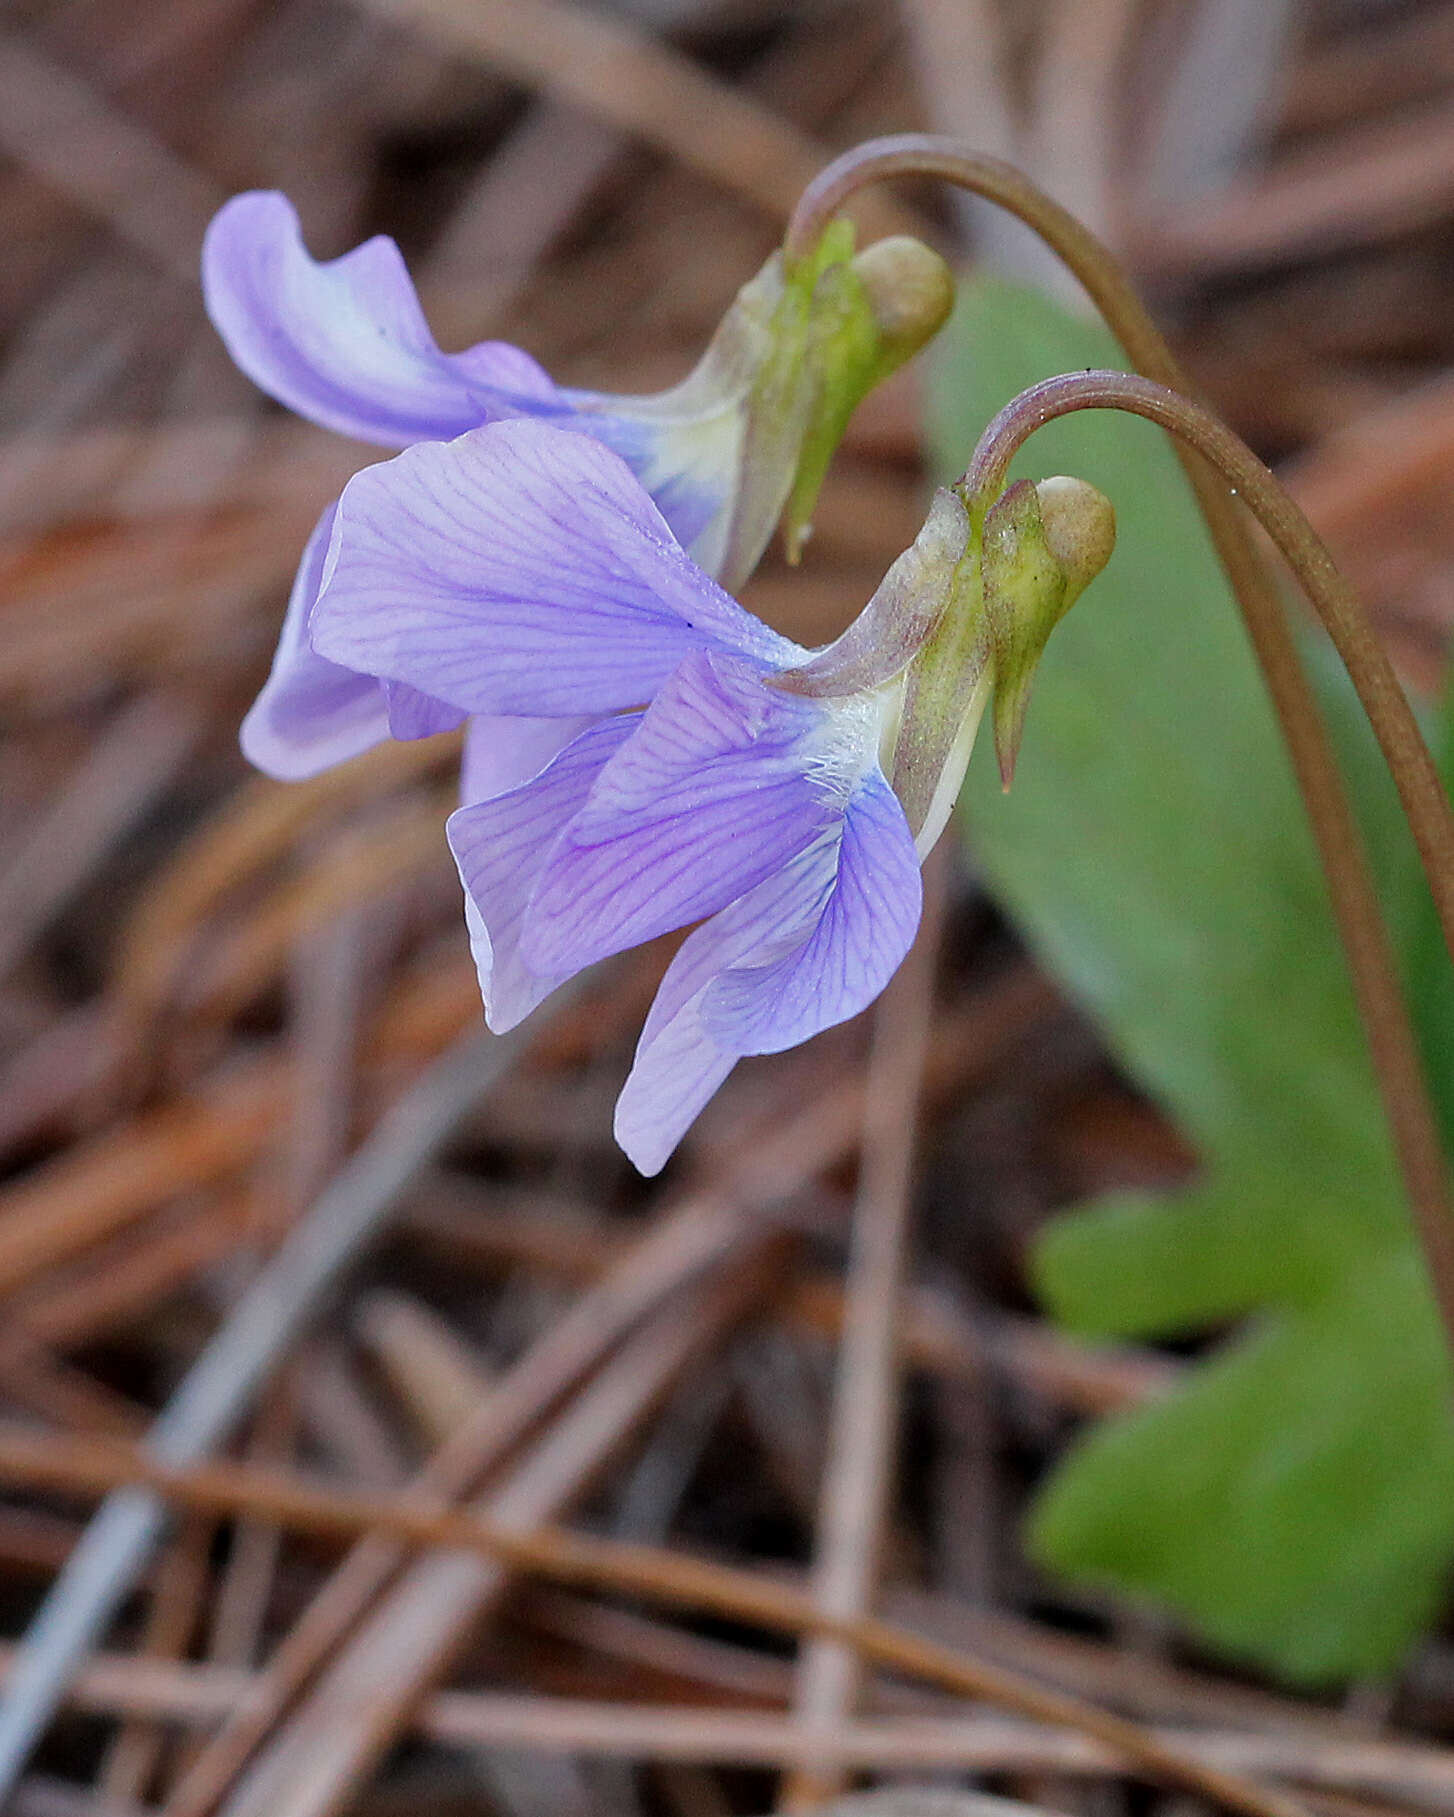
point(719, 774)
point(750, 430)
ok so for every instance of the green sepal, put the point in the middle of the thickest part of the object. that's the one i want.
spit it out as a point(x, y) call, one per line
point(864, 316)
point(1043, 545)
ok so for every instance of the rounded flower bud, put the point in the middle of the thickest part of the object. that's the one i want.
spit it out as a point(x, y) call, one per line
point(1080, 529)
point(1043, 545)
point(910, 292)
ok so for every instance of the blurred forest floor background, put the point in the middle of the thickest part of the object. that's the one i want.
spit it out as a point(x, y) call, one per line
point(214, 989)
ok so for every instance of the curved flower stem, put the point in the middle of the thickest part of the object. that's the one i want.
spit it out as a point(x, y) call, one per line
point(1400, 1074)
point(1355, 905)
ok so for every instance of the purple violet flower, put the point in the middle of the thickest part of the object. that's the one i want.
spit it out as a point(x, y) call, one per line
point(521, 570)
point(345, 343)
point(716, 776)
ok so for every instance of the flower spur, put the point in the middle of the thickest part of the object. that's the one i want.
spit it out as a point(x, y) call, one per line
point(749, 431)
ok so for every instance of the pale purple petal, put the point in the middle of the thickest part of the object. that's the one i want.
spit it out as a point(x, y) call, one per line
point(520, 569)
point(678, 1063)
point(811, 946)
point(500, 846)
point(670, 1084)
point(416, 715)
point(721, 786)
point(311, 713)
point(691, 467)
point(345, 342)
point(501, 753)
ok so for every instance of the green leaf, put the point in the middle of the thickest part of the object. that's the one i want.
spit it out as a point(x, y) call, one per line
point(1155, 853)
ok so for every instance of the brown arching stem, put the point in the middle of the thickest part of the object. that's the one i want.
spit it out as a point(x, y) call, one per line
point(1400, 1074)
point(1355, 904)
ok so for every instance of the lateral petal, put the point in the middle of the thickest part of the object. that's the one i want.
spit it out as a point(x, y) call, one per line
point(311, 713)
point(851, 944)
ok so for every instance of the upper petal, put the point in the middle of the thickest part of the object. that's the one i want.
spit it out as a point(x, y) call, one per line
point(519, 569)
point(345, 343)
point(724, 782)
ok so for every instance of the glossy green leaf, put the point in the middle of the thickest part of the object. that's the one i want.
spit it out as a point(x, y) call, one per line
point(1294, 1501)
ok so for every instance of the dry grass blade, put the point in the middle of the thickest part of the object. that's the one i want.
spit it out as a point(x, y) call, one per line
point(258, 826)
point(121, 1176)
point(135, 1752)
point(1216, 96)
point(1392, 176)
point(525, 1545)
point(358, 866)
point(323, 1751)
point(223, 1381)
point(73, 138)
point(624, 75)
point(128, 765)
point(700, 1235)
point(666, 1262)
point(1415, 1777)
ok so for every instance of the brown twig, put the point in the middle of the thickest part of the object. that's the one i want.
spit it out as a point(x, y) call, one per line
point(128, 765)
point(72, 137)
point(624, 75)
point(345, 1723)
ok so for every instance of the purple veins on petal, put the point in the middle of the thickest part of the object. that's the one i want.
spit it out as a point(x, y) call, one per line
point(519, 569)
point(725, 782)
point(810, 946)
point(345, 342)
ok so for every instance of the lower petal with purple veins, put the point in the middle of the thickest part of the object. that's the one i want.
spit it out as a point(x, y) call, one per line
point(809, 947)
point(520, 569)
